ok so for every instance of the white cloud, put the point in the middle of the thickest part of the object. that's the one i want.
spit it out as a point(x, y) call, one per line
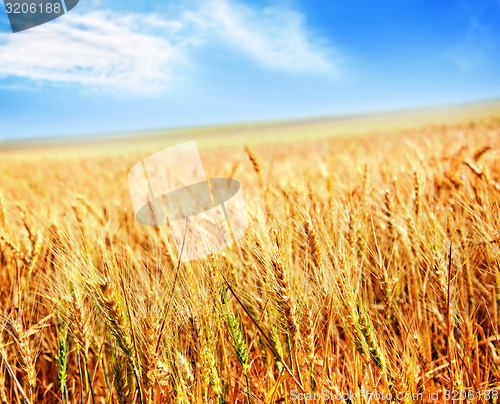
point(100, 50)
point(143, 53)
point(273, 37)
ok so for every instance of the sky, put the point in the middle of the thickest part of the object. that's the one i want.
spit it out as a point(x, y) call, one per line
point(126, 65)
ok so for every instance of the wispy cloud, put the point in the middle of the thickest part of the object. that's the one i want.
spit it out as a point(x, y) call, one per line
point(273, 37)
point(142, 53)
point(479, 43)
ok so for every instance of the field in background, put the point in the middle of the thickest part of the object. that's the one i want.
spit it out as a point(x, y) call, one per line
point(263, 132)
point(371, 263)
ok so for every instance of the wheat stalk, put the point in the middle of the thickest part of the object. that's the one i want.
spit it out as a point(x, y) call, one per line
point(240, 347)
point(3, 390)
point(25, 355)
point(62, 367)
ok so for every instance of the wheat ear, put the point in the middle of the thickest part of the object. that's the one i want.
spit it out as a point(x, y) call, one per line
point(25, 354)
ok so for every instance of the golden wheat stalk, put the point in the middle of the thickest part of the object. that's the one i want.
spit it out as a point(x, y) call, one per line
point(314, 246)
point(308, 342)
point(26, 355)
point(3, 216)
point(3, 390)
point(15, 251)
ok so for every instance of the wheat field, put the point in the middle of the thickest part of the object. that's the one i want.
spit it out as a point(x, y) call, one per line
point(371, 263)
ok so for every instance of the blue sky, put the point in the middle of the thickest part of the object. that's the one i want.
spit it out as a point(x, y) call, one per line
point(122, 65)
